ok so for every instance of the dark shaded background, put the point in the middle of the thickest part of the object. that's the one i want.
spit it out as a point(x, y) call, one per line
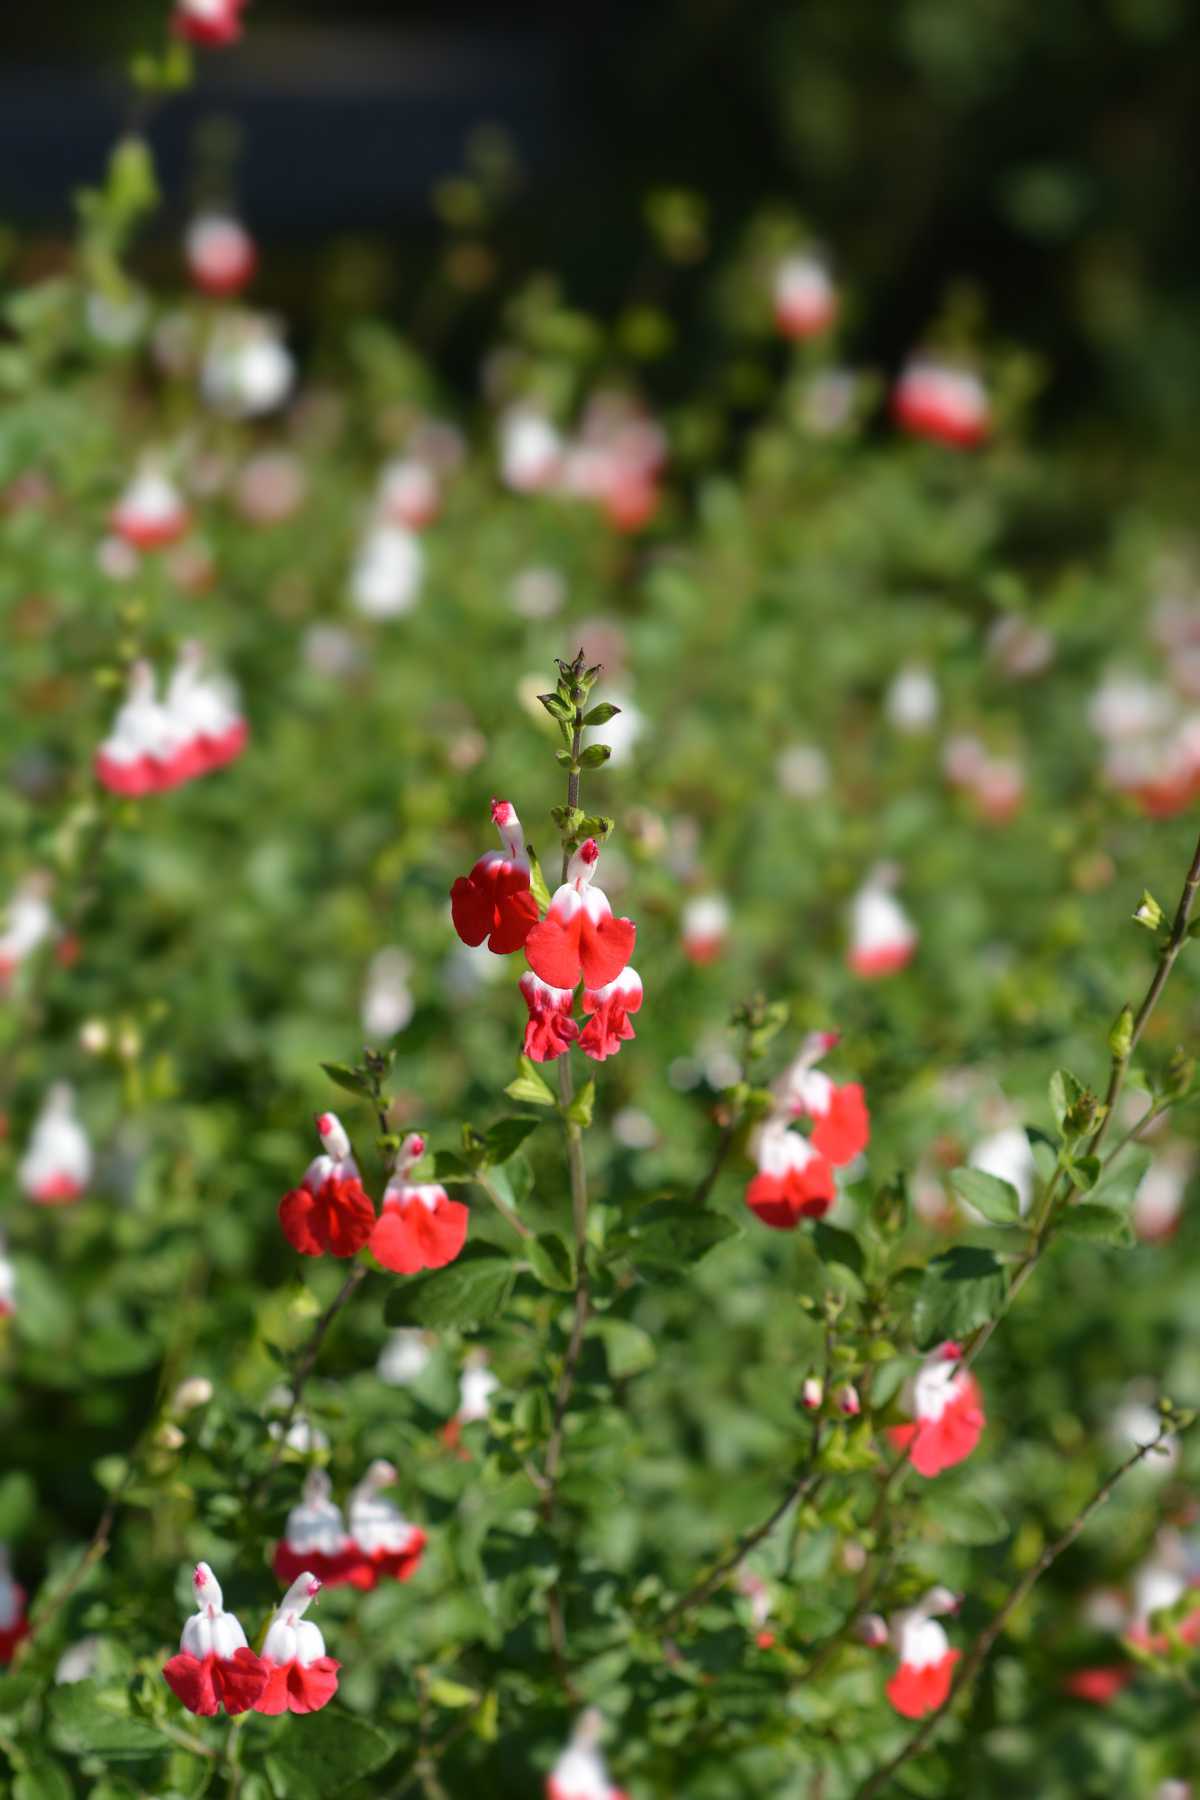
point(1047, 150)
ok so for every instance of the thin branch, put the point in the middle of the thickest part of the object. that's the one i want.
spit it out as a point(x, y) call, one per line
point(977, 1655)
point(305, 1363)
point(803, 1488)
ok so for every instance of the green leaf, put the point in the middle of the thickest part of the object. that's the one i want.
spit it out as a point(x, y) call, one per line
point(600, 715)
point(335, 1748)
point(90, 1720)
point(672, 1233)
point(837, 1246)
point(997, 1200)
point(1097, 1220)
point(469, 1292)
point(552, 1260)
point(529, 1085)
point(969, 1519)
point(580, 1110)
point(1119, 1184)
point(1085, 1173)
point(1064, 1092)
point(595, 756)
point(16, 1691)
point(18, 1502)
point(42, 1778)
point(961, 1289)
point(505, 1137)
point(353, 1080)
point(537, 882)
point(449, 1167)
point(451, 1694)
point(627, 1347)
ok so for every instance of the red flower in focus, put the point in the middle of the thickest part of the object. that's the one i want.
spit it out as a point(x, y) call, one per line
point(494, 901)
point(215, 1666)
point(551, 1029)
point(300, 1677)
point(579, 935)
point(793, 1182)
point(330, 1211)
point(610, 1006)
point(419, 1227)
point(948, 1411)
point(210, 23)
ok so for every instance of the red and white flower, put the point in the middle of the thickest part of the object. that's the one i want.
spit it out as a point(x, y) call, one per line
point(382, 1541)
point(300, 1677)
point(135, 757)
point(151, 512)
point(315, 1539)
point(806, 301)
point(551, 1029)
point(8, 1283)
point(409, 494)
point(922, 1682)
point(580, 1772)
point(841, 1123)
point(610, 1006)
point(705, 927)
point(883, 938)
point(330, 1211)
point(943, 401)
point(210, 23)
point(388, 571)
point(947, 1410)
point(579, 935)
point(419, 1226)
point(13, 1623)
point(57, 1164)
point(531, 451)
point(203, 710)
point(794, 1181)
point(494, 901)
point(215, 1666)
point(28, 922)
point(221, 256)
point(248, 370)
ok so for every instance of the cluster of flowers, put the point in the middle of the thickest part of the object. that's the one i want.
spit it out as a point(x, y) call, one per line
point(934, 397)
point(579, 940)
point(616, 460)
point(159, 744)
point(795, 1178)
point(331, 1213)
point(374, 1542)
point(216, 1668)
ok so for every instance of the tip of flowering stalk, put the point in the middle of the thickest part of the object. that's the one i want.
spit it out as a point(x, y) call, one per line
point(503, 813)
point(589, 851)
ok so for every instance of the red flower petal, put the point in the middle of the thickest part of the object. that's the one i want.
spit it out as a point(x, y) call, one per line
point(471, 910)
point(338, 1218)
point(552, 950)
point(192, 1682)
point(409, 1238)
point(605, 949)
point(845, 1130)
point(916, 1691)
point(241, 1679)
point(782, 1201)
point(312, 1685)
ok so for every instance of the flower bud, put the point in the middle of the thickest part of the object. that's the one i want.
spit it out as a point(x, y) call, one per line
point(848, 1401)
point(1120, 1038)
point(94, 1037)
point(812, 1394)
point(1149, 913)
point(197, 1390)
point(872, 1630)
